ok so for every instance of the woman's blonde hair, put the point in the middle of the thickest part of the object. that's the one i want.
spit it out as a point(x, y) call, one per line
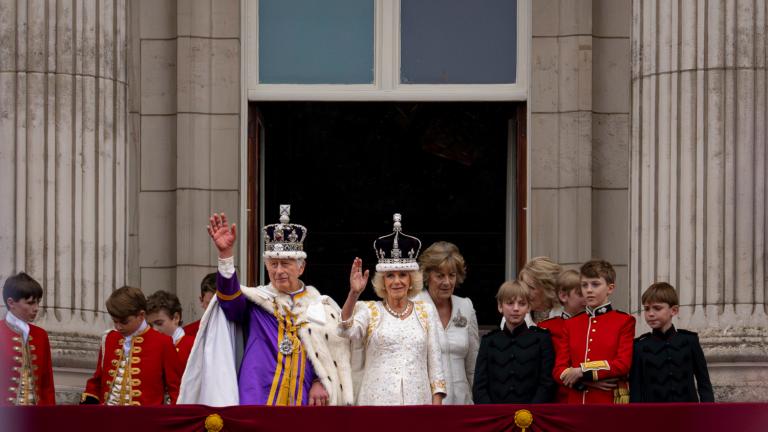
point(417, 282)
point(543, 272)
point(443, 253)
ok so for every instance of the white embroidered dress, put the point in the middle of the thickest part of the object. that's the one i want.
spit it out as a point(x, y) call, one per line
point(402, 363)
point(459, 343)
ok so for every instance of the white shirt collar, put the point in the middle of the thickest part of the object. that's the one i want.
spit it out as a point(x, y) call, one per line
point(177, 335)
point(127, 343)
point(18, 325)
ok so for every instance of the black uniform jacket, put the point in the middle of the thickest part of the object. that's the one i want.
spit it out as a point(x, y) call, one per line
point(664, 366)
point(515, 367)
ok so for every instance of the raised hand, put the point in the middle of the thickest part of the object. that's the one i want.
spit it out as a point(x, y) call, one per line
point(222, 234)
point(357, 279)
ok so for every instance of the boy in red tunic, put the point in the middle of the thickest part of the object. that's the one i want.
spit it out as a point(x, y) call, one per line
point(164, 315)
point(207, 291)
point(26, 374)
point(596, 346)
point(137, 365)
point(572, 302)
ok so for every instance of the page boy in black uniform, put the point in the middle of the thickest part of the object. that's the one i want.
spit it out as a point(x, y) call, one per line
point(667, 360)
point(514, 365)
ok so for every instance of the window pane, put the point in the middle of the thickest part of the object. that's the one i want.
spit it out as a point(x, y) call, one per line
point(458, 42)
point(316, 42)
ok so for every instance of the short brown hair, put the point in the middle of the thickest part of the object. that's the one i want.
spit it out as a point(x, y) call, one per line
point(21, 286)
point(568, 281)
point(208, 284)
point(599, 269)
point(542, 272)
point(661, 292)
point(126, 301)
point(443, 253)
point(513, 289)
point(163, 300)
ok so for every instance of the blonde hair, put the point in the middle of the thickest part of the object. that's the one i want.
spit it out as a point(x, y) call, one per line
point(543, 272)
point(568, 281)
point(417, 283)
point(443, 253)
point(513, 289)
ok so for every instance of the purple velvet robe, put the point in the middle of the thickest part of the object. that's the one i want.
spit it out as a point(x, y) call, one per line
point(266, 377)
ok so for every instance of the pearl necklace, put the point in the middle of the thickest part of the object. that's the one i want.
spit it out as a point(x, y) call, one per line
point(399, 315)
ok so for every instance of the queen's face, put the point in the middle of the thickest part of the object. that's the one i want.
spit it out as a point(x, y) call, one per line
point(396, 284)
point(442, 282)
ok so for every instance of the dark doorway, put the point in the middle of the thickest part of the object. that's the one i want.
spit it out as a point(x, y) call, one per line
point(346, 168)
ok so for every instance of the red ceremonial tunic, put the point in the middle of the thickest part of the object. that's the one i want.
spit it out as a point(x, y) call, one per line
point(601, 344)
point(151, 370)
point(183, 349)
point(26, 374)
point(191, 329)
point(555, 327)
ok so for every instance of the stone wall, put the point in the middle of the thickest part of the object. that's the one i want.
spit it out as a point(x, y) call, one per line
point(184, 79)
point(579, 135)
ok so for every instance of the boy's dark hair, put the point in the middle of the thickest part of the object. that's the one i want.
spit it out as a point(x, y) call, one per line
point(126, 301)
point(208, 284)
point(163, 300)
point(599, 269)
point(21, 286)
point(661, 292)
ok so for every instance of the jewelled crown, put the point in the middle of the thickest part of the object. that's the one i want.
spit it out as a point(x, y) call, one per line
point(397, 251)
point(284, 239)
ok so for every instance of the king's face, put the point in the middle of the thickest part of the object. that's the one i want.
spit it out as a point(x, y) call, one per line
point(284, 274)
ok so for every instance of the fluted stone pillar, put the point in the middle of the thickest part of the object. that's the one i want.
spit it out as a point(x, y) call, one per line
point(698, 184)
point(62, 164)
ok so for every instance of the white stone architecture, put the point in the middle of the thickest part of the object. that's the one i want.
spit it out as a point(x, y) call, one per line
point(123, 125)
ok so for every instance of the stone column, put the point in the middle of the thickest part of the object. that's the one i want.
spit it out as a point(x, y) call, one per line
point(62, 163)
point(698, 185)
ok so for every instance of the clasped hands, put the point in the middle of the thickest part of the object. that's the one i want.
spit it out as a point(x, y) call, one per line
point(572, 375)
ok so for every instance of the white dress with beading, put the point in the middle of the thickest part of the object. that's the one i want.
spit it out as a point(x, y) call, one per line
point(402, 364)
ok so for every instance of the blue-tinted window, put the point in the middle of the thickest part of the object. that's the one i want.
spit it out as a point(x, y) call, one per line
point(316, 41)
point(458, 41)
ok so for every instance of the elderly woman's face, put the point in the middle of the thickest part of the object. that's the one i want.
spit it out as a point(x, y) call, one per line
point(442, 282)
point(537, 296)
point(396, 284)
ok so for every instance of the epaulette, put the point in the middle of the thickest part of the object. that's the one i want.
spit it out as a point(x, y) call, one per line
point(687, 332)
point(643, 337)
point(537, 329)
point(551, 318)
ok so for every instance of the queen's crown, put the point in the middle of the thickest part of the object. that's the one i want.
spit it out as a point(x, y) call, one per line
point(397, 251)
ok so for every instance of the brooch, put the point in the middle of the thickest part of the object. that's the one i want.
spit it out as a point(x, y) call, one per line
point(459, 320)
point(286, 347)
